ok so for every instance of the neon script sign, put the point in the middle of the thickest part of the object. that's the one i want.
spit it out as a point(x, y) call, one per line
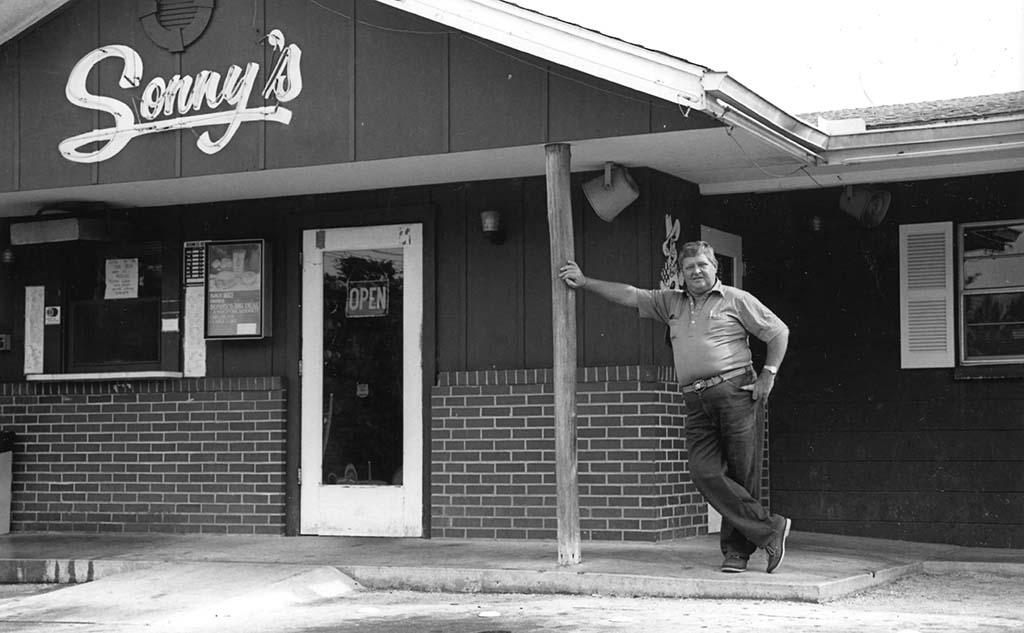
point(182, 96)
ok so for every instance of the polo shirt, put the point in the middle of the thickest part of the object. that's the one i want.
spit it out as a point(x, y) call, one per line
point(713, 338)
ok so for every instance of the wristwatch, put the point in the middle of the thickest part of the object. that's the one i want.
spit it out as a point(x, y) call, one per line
point(771, 369)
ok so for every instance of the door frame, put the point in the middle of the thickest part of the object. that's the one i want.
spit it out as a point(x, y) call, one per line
point(731, 245)
point(290, 311)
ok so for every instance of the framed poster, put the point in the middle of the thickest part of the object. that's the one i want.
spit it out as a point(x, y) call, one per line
point(236, 289)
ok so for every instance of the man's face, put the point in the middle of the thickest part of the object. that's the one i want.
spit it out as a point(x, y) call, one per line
point(699, 273)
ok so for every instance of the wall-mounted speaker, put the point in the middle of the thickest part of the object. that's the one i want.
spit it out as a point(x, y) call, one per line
point(612, 192)
point(865, 204)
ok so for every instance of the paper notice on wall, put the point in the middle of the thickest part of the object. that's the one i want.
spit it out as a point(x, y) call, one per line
point(122, 279)
point(35, 307)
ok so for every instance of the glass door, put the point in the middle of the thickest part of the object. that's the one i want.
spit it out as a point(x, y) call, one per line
point(362, 408)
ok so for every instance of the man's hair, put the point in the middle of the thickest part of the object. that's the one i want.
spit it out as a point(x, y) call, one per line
point(693, 249)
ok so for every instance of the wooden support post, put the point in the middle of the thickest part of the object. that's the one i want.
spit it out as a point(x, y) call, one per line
point(563, 318)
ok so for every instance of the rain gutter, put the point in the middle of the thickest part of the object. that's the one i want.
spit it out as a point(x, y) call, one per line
point(735, 104)
point(998, 134)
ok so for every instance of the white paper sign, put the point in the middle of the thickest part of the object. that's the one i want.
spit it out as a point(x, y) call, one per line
point(122, 279)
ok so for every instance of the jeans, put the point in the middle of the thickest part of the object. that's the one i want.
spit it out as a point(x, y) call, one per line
point(725, 435)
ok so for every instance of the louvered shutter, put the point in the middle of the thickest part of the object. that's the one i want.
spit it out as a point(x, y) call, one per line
point(926, 295)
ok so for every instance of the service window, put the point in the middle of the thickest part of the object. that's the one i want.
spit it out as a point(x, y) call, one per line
point(113, 302)
point(992, 292)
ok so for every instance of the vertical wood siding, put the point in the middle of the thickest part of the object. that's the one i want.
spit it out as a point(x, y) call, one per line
point(326, 133)
point(377, 83)
point(493, 300)
point(406, 114)
point(498, 99)
point(149, 157)
point(45, 116)
point(860, 446)
point(8, 119)
point(234, 36)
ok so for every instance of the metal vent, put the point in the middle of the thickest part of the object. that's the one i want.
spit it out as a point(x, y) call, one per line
point(174, 24)
point(172, 14)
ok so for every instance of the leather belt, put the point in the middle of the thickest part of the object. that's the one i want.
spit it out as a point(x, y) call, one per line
point(698, 386)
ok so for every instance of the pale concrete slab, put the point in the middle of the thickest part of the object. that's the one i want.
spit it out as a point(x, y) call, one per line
point(171, 595)
point(817, 568)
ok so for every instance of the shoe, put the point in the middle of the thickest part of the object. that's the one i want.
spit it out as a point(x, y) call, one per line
point(776, 547)
point(734, 564)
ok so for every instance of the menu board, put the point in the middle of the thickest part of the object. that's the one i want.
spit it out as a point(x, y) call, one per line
point(195, 264)
point(235, 289)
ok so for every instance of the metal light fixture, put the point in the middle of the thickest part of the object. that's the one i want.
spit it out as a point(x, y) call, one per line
point(490, 223)
point(7, 256)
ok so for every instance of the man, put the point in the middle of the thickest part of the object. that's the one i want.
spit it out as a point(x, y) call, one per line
point(709, 324)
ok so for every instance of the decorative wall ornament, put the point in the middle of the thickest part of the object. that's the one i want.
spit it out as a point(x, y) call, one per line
point(174, 24)
point(206, 90)
point(670, 269)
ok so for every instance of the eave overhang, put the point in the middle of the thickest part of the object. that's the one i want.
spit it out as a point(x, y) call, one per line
point(805, 156)
point(650, 72)
point(759, 148)
point(16, 16)
point(902, 152)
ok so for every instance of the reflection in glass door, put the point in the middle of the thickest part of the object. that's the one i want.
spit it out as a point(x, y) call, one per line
point(362, 381)
point(362, 347)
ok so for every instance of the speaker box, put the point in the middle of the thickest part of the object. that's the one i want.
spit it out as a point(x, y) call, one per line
point(612, 192)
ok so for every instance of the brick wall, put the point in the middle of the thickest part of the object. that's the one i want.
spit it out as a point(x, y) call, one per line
point(493, 463)
point(195, 455)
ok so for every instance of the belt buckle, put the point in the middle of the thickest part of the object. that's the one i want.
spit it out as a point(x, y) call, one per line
point(699, 385)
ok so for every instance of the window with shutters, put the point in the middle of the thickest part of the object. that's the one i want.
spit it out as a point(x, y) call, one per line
point(992, 292)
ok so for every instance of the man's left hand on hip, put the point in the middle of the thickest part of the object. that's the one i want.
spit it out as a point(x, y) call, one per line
point(762, 386)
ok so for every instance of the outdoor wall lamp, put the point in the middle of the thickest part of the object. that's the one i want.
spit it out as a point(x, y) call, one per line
point(7, 253)
point(490, 222)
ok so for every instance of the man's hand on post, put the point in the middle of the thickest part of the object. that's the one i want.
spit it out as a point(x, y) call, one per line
point(572, 275)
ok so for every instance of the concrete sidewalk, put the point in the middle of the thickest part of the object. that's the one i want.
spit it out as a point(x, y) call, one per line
point(817, 567)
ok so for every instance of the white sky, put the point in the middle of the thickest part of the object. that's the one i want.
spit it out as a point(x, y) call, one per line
point(808, 56)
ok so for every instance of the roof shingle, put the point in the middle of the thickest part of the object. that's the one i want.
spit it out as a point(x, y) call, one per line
point(925, 112)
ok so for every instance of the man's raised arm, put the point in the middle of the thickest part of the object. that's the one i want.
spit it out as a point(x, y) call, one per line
point(622, 294)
